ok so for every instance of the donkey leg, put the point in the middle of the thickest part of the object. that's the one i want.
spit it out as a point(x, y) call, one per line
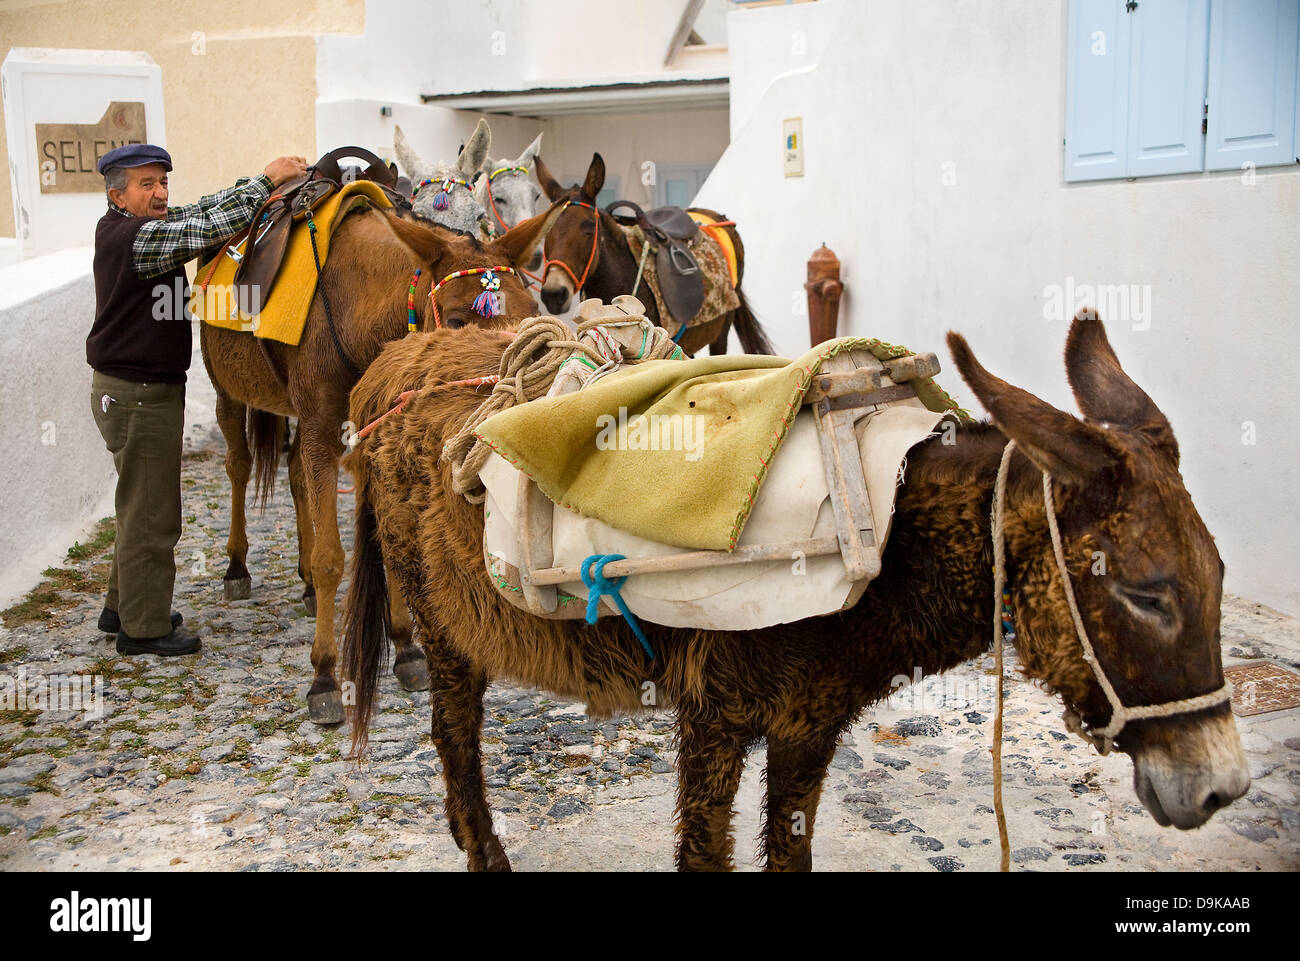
point(410, 663)
point(796, 770)
point(302, 510)
point(456, 694)
point(321, 463)
point(231, 414)
point(710, 761)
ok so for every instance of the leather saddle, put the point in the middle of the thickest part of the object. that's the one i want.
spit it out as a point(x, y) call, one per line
point(260, 250)
point(668, 230)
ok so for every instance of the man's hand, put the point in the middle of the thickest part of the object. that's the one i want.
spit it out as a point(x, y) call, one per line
point(283, 169)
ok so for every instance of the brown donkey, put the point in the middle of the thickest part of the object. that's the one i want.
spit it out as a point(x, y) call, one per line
point(1153, 619)
point(366, 279)
point(598, 260)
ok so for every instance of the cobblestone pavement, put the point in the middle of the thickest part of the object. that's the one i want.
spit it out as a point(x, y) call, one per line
point(209, 762)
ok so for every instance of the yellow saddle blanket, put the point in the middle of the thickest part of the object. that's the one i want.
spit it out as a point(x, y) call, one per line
point(284, 315)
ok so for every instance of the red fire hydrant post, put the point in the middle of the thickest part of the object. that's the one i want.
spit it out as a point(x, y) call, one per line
point(824, 290)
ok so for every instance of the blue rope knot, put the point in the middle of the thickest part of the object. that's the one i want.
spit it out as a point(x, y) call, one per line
point(598, 585)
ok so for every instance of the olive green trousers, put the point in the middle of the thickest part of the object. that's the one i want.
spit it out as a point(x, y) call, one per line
point(143, 426)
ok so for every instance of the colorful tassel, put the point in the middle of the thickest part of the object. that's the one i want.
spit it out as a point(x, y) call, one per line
point(488, 304)
point(441, 200)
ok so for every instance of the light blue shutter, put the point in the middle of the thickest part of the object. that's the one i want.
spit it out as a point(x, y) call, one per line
point(1252, 92)
point(1096, 91)
point(1167, 87)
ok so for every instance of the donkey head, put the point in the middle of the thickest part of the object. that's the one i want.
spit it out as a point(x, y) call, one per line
point(499, 299)
point(443, 193)
point(573, 242)
point(505, 189)
point(1144, 569)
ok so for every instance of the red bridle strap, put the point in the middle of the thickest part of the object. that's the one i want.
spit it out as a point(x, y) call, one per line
point(492, 204)
point(595, 243)
point(406, 395)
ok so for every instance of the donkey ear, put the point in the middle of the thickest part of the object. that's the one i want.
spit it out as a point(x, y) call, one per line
point(530, 153)
point(549, 184)
point(415, 168)
point(423, 241)
point(519, 242)
point(595, 178)
point(1104, 392)
point(1070, 450)
point(475, 150)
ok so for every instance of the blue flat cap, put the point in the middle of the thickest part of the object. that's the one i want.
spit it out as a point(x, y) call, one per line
point(135, 155)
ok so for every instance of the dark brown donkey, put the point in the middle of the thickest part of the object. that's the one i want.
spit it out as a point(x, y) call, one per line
point(609, 269)
point(366, 279)
point(1153, 619)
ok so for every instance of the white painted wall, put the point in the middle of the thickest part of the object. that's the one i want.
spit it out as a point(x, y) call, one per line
point(435, 132)
point(413, 47)
point(57, 478)
point(627, 142)
point(769, 41)
point(50, 493)
point(906, 89)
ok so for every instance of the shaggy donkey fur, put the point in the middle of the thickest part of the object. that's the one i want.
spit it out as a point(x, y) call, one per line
point(801, 685)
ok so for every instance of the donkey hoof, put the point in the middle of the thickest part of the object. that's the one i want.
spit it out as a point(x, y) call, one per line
point(309, 600)
point(413, 673)
point(238, 588)
point(325, 707)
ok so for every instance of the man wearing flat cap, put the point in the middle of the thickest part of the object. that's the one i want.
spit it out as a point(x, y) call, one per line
point(140, 348)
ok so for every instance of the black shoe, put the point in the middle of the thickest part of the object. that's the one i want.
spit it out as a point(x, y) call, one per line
point(111, 623)
point(174, 643)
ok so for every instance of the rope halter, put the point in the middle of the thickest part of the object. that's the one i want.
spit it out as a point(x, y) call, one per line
point(578, 284)
point(1104, 738)
point(486, 304)
point(442, 199)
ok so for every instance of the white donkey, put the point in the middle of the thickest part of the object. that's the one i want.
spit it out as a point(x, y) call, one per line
point(444, 192)
point(510, 195)
point(507, 190)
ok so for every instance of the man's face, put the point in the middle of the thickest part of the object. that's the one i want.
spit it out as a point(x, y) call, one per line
point(146, 191)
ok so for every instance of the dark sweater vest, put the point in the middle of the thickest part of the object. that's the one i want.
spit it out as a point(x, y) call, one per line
point(142, 329)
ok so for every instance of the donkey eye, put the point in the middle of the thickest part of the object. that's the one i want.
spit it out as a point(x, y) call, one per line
point(1150, 602)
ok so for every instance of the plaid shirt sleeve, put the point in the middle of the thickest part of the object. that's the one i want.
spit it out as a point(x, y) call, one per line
point(163, 245)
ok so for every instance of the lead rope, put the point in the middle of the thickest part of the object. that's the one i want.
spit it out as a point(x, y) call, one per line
point(999, 581)
point(1104, 739)
point(528, 367)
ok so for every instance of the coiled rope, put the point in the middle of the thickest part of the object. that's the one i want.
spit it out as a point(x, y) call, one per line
point(528, 368)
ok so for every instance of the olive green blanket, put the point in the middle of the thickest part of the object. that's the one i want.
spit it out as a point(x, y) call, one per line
point(671, 450)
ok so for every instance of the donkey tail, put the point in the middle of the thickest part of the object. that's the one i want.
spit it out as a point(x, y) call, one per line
point(265, 440)
point(753, 339)
point(366, 625)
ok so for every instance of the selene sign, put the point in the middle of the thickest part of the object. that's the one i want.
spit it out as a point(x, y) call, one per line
point(67, 153)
